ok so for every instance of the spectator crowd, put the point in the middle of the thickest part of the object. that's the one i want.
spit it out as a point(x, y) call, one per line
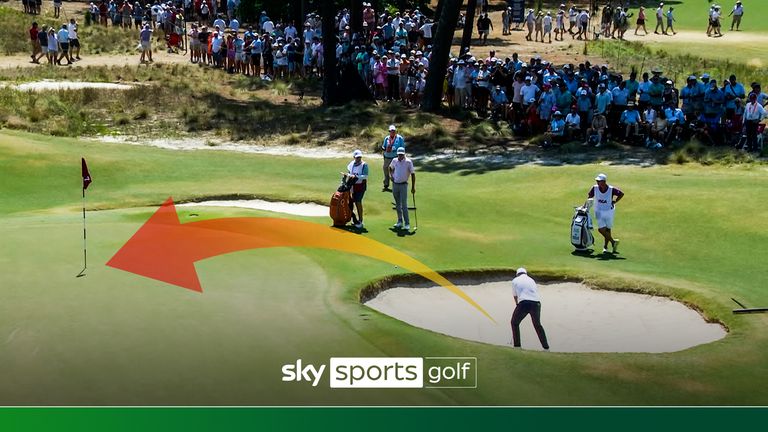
point(392, 52)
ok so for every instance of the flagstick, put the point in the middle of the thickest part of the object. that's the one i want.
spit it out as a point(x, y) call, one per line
point(85, 245)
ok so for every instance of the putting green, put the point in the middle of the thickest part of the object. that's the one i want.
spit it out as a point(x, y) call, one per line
point(696, 233)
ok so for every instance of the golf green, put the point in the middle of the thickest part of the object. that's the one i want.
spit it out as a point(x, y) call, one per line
point(695, 233)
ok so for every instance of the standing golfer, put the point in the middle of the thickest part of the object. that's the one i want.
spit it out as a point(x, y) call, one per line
point(358, 170)
point(526, 302)
point(391, 143)
point(737, 13)
point(605, 206)
point(399, 170)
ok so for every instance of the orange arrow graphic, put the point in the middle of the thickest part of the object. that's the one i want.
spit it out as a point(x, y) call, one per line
point(166, 250)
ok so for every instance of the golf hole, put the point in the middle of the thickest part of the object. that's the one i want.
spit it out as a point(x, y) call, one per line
point(576, 318)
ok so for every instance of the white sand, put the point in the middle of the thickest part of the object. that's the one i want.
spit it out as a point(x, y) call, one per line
point(188, 144)
point(575, 317)
point(298, 209)
point(46, 85)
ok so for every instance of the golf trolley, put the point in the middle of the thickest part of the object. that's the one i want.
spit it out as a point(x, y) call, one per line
point(581, 227)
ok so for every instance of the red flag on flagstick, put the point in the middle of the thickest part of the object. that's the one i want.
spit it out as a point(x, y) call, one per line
point(86, 175)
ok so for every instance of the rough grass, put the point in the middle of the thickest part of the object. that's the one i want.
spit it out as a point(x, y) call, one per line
point(94, 39)
point(628, 55)
point(180, 100)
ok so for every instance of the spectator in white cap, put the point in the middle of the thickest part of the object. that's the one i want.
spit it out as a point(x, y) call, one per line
point(526, 302)
point(399, 170)
point(358, 170)
point(605, 206)
point(391, 143)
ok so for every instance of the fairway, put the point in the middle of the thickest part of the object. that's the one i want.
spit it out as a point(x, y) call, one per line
point(692, 14)
point(696, 234)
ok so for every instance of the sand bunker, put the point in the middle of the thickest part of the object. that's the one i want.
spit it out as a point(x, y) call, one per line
point(575, 317)
point(69, 85)
point(189, 144)
point(298, 209)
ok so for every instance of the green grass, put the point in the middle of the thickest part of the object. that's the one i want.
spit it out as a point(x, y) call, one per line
point(743, 47)
point(692, 14)
point(749, 53)
point(696, 233)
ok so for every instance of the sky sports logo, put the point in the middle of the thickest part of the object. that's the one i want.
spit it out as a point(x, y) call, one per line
point(387, 372)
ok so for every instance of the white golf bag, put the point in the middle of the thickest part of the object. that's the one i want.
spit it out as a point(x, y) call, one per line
point(581, 227)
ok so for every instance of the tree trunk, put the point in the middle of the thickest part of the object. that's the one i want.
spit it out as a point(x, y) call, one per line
point(300, 23)
point(438, 10)
point(356, 16)
point(330, 69)
point(296, 16)
point(466, 36)
point(446, 27)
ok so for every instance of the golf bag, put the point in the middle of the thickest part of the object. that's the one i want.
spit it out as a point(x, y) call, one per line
point(340, 208)
point(581, 228)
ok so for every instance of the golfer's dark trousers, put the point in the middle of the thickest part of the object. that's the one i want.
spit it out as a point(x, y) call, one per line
point(522, 310)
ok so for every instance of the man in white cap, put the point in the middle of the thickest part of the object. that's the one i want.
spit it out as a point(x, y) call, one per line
point(737, 12)
point(660, 19)
point(605, 206)
point(526, 302)
point(391, 143)
point(399, 170)
point(358, 170)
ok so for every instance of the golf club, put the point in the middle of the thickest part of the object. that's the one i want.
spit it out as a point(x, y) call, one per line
point(415, 212)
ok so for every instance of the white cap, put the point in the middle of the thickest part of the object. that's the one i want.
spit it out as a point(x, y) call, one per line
point(521, 270)
point(401, 150)
point(357, 153)
point(601, 177)
point(392, 128)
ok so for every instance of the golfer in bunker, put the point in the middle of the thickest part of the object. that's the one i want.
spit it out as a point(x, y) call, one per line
point(605, 207)
point(526, 303)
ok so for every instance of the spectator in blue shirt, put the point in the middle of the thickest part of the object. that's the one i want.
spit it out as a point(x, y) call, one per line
point(690, 94)
point(584, 106)
point(547, 101)
point(630, 118)
point(603, 100)
point(500, 102)
point(733, 90)
point(714, 101)
point(556, 130)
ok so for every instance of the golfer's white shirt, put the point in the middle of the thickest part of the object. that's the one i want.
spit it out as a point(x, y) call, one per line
point(401, 170)
point(525, 288)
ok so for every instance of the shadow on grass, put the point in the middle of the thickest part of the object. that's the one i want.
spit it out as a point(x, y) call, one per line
point(597, 256)
point(257, 118)
point(402, 233)
point(352, 229)
point(497, 157)
point(477, 47)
